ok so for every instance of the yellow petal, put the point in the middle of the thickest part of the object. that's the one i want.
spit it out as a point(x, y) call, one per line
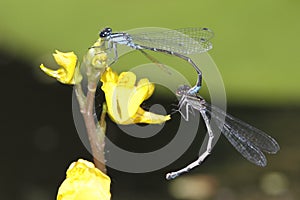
point(151, 87)
point(127, 79)
point(66, 73)
point(109, 80)
point(84, 182)
point(109, 76)
point(149, 117)
point(54, 73)
point(66, 60)
point(123, 98)
point(140, 94)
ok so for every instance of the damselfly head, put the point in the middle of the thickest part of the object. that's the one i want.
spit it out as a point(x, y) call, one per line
point(182, 89)
point(105, 32)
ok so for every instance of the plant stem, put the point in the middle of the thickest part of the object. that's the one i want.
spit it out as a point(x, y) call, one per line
point(97, 145)
point(93, 130)
point(94, 64)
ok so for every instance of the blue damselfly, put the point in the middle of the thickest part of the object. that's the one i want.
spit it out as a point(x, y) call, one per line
point(178, 42)
point(247, 140)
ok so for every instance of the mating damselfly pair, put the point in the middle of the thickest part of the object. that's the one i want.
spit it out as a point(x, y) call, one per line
point(248, 140)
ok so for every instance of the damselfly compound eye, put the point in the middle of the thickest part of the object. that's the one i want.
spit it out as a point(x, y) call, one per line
point(105, 32)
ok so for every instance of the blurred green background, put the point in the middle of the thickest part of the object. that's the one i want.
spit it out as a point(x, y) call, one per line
point(256, 48)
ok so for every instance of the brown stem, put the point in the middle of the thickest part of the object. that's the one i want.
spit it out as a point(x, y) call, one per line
point(87, 110)
point(94, 64)
point(97, 145)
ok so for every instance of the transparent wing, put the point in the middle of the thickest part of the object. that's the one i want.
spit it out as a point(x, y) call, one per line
point(185, 40)
point(197, 33)
point(247, 140)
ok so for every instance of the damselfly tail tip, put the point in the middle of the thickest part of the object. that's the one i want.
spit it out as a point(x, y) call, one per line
point(276, 147)
point(262, 164)
point(171, 175)
point(168, 176)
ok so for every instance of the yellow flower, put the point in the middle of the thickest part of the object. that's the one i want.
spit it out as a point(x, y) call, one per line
point(84, 182)
point(123, 98)
point(65, 74)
